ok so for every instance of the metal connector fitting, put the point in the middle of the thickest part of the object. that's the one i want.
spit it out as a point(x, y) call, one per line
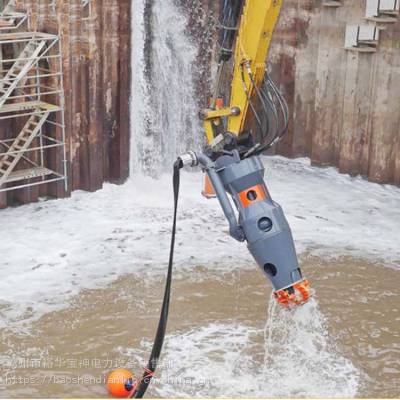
point(235, 111)
point(189, 159)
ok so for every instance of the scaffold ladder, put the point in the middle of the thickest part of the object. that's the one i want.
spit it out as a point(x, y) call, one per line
point(20, 69)
point(31, 97)
point(21, 144)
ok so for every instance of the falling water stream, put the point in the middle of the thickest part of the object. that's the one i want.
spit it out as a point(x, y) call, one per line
point(164, 108)
point(91, 302)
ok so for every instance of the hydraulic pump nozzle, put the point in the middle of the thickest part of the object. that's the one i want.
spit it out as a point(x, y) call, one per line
point(295, 295)
point(261, 221)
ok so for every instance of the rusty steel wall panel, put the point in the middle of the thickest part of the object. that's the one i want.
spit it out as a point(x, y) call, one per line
point(345, 108)
point(96, 66)
point(344, 105)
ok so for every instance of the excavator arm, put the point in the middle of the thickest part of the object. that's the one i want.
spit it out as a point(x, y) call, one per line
point(252, 23)
point(252, 45)
point(231, 160)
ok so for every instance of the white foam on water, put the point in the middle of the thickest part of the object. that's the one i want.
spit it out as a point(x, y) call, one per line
point(55, 249)
point(223, 360)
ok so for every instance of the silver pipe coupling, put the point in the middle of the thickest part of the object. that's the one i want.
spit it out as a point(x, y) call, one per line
point(189, 159)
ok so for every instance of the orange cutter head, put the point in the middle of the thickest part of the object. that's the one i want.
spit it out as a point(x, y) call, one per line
point(296, 295)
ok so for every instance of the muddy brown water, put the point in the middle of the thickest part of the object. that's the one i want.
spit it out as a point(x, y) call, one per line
point(68, 353)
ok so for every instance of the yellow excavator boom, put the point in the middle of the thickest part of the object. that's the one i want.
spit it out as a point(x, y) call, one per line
point(256, 27)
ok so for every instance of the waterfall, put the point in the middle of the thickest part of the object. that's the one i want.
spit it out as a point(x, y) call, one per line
point(164, 106)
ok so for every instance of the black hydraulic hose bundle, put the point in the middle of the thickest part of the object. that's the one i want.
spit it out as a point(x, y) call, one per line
point(144, 383)
point(273, 122)
point(229, 24)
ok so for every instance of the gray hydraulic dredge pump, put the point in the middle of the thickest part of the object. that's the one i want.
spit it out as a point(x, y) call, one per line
point(261, 221)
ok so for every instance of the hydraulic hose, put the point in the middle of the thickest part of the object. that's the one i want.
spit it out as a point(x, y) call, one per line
point(188, 159)
point(144, 383)
point(229, 25)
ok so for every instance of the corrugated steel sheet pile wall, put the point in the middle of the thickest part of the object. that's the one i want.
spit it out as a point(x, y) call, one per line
point(345, 104)
point(96, 62)
point(346, 108)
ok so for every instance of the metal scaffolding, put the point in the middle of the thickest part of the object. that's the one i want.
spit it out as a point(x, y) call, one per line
point(32, 125)
point(10, 19)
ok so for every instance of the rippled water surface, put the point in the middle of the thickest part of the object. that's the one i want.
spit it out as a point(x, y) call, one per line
point(224, 339)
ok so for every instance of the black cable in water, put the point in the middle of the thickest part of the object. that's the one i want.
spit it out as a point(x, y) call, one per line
point(162, 324)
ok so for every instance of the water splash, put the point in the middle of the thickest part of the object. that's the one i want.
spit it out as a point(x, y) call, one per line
point(163, 107)
point(297, 346)
point(291, 357)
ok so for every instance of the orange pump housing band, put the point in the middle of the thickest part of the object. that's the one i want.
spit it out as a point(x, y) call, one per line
point(252, 196)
